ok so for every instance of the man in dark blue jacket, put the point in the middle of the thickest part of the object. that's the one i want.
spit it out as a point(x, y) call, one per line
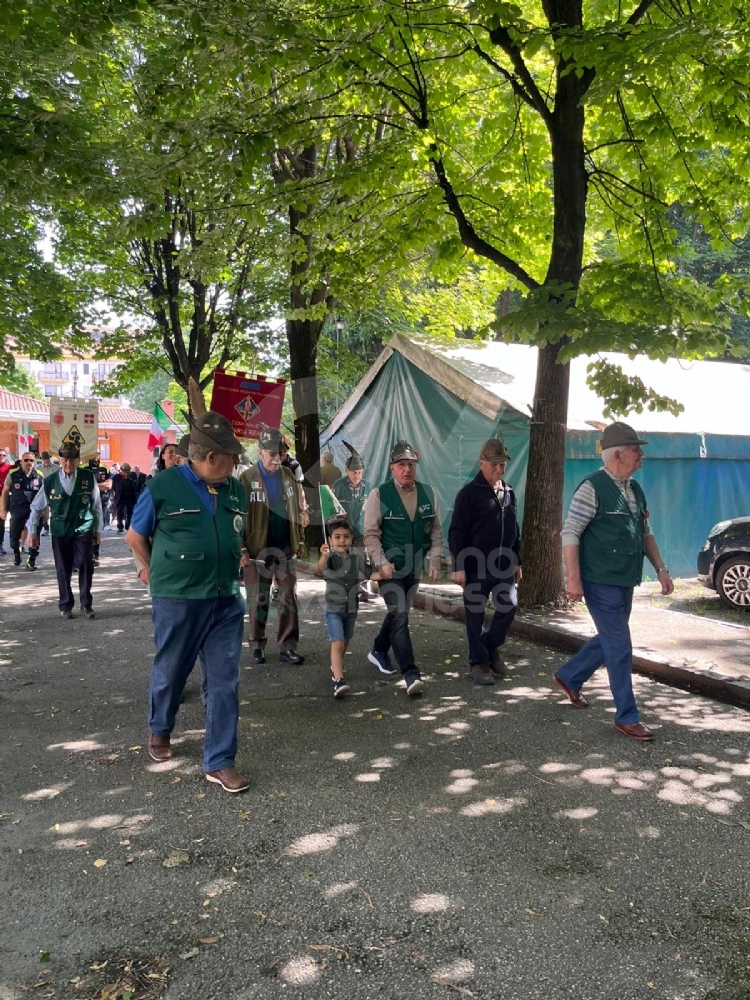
point(485, 545)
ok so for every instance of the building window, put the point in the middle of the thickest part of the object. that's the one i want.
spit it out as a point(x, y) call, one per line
point(50, 390)
point(85, 369)
point(73, 367)
point(104, 451)
point(53, 368)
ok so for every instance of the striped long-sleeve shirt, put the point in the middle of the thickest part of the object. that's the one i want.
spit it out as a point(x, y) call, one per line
point(583, 508)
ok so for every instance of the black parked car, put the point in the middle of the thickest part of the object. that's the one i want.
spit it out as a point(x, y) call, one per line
point(724, 562)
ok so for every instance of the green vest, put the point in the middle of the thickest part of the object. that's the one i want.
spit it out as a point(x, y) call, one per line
point(355, 509)
point(405, 542)
point(194, 555)
point(612, 547)
point(71, 515)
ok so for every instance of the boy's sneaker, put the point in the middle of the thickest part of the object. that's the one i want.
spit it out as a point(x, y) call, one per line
point(16, 557)
point(340, 687)
point(414, 683)
point(31, 563)
point(382, 662)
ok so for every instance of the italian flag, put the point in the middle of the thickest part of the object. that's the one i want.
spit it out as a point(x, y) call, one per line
point(26, 436)
point(160, 423)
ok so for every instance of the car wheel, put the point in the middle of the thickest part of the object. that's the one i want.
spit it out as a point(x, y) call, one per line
point(733, 583)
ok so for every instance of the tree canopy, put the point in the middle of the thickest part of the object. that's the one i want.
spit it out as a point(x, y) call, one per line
point(205, 171)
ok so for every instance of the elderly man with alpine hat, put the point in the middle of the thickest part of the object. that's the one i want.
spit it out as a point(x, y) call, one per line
point(351, 490)
point(402, 532)
point(605, 538)
point(485, 545)
point(186, 536)
point(76, 522)
point(273, 539)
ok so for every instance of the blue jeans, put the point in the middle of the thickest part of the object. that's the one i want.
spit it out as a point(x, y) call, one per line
point(212, 630)
point(340, 624)
point(483, 643)
point(398, 596)
point(610, 608)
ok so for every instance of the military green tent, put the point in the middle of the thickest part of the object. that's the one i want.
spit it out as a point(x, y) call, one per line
point(447, 397)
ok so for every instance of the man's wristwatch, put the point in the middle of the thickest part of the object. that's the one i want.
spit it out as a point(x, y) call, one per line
point(662, 569)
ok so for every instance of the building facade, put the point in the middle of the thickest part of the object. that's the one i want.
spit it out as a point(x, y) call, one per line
point(123, 431)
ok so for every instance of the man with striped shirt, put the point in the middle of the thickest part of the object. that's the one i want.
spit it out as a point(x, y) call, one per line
point(605, 538)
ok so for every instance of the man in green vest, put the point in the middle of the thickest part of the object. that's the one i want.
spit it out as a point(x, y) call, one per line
point(402, 533)
point(75, 525)
point(186, 536)
point(605, 538)
point(351, 490)
point(273, 539)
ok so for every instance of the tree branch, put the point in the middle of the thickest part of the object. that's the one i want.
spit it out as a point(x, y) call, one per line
point(471, 238)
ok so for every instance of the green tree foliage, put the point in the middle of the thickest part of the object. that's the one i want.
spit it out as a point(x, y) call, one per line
point(555, 136)
point(15, 378)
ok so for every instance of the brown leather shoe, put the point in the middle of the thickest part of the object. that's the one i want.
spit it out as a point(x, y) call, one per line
point(481, 674)
point(635, 730)
point(229, 778)
point(159, 748)
point(576, 698)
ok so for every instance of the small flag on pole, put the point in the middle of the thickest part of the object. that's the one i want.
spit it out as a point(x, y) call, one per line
point(329, 507)
point(160, 423)
point(329, 504)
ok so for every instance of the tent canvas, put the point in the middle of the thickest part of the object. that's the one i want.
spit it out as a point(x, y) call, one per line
point(447, 397)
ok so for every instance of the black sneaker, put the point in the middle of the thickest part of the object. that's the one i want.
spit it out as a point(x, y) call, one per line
point(257, 656)
point(291, 656)
point(89, 612)
point(16, 557)
point(66, 614)
point(414, 683)
point(30, 564)
point(382, 662)
point(340, 687)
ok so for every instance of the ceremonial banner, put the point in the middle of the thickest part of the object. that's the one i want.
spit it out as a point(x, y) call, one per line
point(74, 421)
point(249, 402)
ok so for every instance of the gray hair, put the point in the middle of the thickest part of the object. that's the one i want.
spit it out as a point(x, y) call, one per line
point(328, 456)
point(197, 453)
point(609, 453)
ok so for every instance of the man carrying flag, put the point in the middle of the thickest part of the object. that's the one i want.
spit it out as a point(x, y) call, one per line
point(160, 423)
point(273, 540)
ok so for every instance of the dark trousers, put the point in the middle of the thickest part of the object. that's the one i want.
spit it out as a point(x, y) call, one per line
point(394, 632)
point(124, 513)
point(73, 553)
point(483, 642)
point(2, 531)
point(18, 519)
point(258, 576)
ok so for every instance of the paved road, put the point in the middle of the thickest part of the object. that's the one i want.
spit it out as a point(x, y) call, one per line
point(486, 843)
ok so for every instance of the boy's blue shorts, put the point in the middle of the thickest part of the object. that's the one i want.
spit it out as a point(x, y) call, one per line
point(340, 624)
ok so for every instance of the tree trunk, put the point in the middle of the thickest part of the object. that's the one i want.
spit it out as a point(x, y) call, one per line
point(542, 520)
point(542, 515)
